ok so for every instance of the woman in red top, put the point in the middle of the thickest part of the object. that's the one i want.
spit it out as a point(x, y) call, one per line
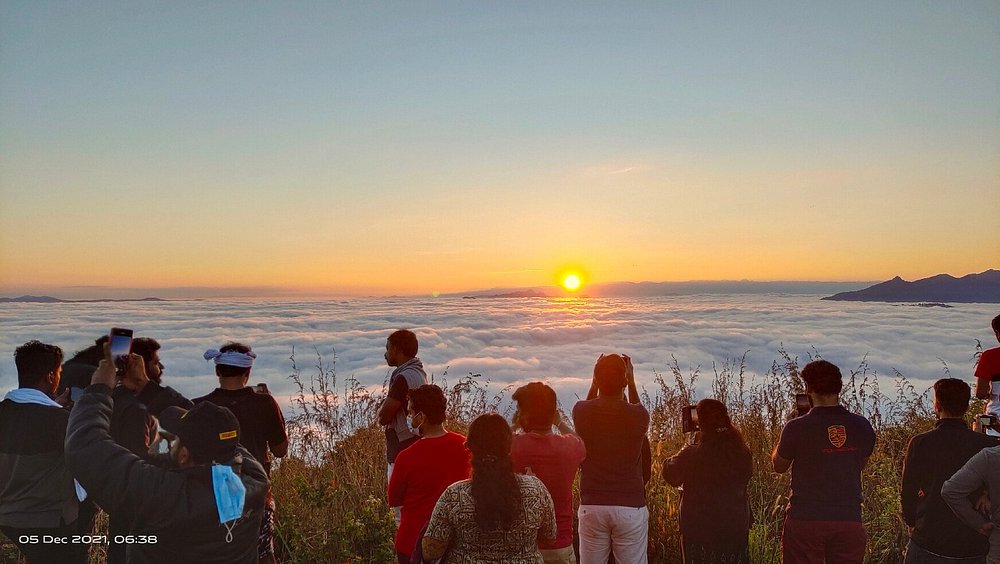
point(424, 469)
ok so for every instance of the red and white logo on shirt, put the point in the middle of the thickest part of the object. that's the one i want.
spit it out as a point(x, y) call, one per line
point(837, 435)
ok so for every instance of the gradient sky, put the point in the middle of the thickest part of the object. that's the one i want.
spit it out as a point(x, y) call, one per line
point(440, 146)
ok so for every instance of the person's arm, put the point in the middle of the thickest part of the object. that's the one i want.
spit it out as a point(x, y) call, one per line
point(394, 400)
point(117, 479)
point(983, 388)
point(633, 392)
point(675, 468)
point(396, 491)
point(968, 480)
point(439, 531)
point(647, 460)
point(277, 440)
point(913, 477)
point(779, 463)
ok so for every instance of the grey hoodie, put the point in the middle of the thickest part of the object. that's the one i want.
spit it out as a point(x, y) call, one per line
point(981, 471)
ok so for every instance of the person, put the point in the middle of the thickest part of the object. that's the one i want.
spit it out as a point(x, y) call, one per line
point(552, 457)
point(260, 418)
point(714, 472)
point(497, 515)
point(613, 515)
point(401, 353)
point(937, 536)
point(206, 507)
point(153, 394)
point(37, 494)
point(988, 377)
point(826, 449)
point(77, 371)
point(981, 472)
point(133, 427)
point(423, 471)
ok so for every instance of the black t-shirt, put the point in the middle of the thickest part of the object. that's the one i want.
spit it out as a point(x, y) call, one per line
point(261, 422)
point(828, 447)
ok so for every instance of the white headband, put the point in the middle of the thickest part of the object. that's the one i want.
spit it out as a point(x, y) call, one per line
point(231, 358)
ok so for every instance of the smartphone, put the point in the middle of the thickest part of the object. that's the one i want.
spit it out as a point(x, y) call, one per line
point(75, 393)
point(985, 422)
point(121, 343)
point(689, 419)
point(802, 404)
point(261, 388)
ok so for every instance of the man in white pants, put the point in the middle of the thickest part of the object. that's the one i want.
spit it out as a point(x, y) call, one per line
point(613, 514)
point(401, 353)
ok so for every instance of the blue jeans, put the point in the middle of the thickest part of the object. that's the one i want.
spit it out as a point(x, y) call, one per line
point(917, 555)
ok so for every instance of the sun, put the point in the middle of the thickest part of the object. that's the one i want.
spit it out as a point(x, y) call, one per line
point(571, 282)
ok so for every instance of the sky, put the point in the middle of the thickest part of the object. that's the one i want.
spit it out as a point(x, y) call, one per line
point(512, 342)
point(358, 148)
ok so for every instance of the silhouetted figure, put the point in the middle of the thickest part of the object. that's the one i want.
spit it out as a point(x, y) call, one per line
point(826, 449)
point(936, 534)
point(714, 472)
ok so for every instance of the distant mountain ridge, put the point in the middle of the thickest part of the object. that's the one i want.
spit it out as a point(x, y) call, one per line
point(655, 289)
point(971, 288)
point(51, 300)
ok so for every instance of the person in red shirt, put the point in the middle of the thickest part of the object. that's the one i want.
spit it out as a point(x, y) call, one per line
point(988, 377)
point(551, 457)
point(424, 469)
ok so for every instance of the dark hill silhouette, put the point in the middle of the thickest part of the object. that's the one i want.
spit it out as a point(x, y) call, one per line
point(972, 288)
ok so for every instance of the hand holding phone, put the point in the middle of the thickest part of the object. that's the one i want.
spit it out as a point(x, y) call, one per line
point(689, 419)
point(803, 403)
point(121, 345)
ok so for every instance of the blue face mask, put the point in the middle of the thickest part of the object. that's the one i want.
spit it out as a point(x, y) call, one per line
point(230, 493)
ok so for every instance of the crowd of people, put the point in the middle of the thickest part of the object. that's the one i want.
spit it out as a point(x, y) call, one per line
point(181, 480)
point(88, 434)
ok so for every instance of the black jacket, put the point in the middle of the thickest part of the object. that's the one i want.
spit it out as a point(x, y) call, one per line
point(932, 458)
point(176, 506)
point(715, 509)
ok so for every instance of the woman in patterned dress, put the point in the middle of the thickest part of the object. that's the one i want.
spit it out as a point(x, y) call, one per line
point(497, 515)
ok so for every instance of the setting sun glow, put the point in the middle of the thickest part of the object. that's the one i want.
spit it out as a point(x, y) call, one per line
point(571, 282)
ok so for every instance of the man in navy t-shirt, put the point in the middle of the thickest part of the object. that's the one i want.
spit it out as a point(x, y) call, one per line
point(826, 450)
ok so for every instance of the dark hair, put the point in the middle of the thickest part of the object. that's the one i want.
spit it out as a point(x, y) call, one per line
point(952, 395)
point(35, 360)
point(226, 371)
point(145, 347)
point(404, 341)
point(91, 355)
point(823, 377)
point(536, 406)
point(996, 324)
point(722, 444)
point(609, 373)
point(429, 400)
point(495, 488)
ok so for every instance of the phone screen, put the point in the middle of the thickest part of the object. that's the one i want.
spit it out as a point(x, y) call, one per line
point(121, 342)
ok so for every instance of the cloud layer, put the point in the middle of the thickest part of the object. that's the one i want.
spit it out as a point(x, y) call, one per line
point(516, 341)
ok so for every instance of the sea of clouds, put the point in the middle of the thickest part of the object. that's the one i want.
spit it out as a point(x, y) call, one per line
point(511, 341)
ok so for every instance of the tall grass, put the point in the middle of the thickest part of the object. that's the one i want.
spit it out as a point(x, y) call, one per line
point(331, 488)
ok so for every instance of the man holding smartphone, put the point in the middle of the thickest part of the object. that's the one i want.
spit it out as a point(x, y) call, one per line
point(826, 450)
point(613, 514)
point(193, 511)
